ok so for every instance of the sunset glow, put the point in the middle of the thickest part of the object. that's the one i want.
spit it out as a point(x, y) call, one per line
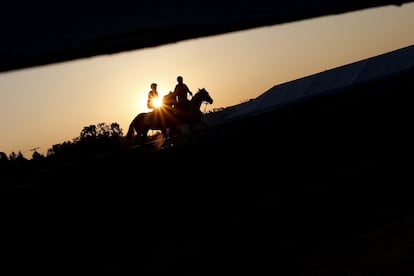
point(157, 102)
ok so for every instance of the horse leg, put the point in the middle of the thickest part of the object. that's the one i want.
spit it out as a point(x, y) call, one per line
point(169, 134)
point(142, 137)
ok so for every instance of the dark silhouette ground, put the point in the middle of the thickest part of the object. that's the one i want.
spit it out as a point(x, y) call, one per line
point(318, 188)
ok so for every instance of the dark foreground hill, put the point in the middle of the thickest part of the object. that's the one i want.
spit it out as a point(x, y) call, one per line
point(321, 187)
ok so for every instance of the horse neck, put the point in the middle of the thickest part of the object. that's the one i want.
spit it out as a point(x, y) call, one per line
point(195, 103)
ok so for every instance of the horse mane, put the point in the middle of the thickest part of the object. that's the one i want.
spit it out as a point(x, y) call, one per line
point(201, 90)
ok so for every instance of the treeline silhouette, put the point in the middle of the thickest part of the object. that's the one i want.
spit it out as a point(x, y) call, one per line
point(92, 141)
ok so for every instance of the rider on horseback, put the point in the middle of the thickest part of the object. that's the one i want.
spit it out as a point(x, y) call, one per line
point(153, 101)
point(152, 97)
point(180, 92)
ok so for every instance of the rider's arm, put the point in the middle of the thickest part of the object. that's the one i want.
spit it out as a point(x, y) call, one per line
point(188, 90)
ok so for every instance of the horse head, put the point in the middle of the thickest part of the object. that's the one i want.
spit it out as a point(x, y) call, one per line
point(203, 96)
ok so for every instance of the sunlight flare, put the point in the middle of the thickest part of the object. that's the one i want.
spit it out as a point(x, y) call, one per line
point(157, 102)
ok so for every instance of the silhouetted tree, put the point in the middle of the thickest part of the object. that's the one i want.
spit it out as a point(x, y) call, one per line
point(103, 129)
point(61, 152)
point(12, 156)
point(37, 156)
point(16, 156)
point(3, 157)
point(116, 130)
point(88, 131)
point(4, 164)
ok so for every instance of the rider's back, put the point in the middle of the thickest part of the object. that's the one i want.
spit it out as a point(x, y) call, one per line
point(181, 92)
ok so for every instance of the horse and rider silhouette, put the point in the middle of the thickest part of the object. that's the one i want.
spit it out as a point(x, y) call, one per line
point(169, 116)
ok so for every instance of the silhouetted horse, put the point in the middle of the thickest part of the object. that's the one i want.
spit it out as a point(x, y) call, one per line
point(168, 117)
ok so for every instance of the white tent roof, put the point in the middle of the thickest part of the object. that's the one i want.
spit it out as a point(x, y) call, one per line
point(329, 81)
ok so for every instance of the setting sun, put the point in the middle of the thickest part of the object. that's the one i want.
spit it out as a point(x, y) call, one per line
point(157, 102)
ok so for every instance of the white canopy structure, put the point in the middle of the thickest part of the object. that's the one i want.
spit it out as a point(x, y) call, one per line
point(331, 81)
